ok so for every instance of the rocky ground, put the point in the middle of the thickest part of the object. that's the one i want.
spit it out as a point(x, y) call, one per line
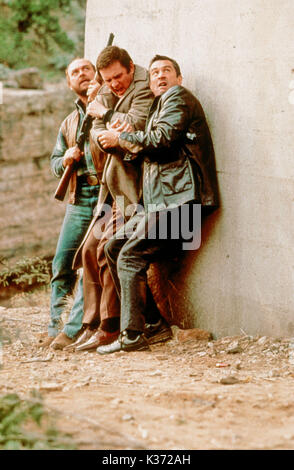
point(189, 393)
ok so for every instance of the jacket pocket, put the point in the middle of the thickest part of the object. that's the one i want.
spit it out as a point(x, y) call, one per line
point(175, 176)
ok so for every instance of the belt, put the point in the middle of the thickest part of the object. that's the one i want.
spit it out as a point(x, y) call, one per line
point(91, 180)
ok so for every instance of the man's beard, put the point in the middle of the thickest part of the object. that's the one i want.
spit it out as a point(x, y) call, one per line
point(83, 92)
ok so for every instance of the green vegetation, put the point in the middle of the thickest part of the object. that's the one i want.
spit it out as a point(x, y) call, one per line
point(26, 272)
point(42, 33)
point(22, 425)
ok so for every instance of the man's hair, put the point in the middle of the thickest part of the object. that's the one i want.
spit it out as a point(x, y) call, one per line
point(73, 60)
point(164, 57)
point(111, 54)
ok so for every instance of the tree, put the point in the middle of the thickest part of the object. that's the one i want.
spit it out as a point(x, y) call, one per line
point(30, 25)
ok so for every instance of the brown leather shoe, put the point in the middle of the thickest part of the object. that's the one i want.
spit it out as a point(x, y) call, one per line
point(83, 338)
point(99, 338)
point(61, 341)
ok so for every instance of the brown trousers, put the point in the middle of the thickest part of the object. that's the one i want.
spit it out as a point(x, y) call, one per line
point(100, 296)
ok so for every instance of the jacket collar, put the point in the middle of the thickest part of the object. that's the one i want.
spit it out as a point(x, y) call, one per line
point(170, 91)
point(80, 106)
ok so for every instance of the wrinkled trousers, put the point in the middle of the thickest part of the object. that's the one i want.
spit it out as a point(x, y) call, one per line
point(101, 300)
point(129, 255)
point(145, 238)
point(75, 224)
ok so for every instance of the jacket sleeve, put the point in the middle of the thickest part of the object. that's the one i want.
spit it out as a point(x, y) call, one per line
point(136, 115)
point(98, 124)
point(169, 126)
point(57, 155)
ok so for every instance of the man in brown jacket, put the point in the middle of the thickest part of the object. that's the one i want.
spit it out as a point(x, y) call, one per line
point(124, 101)
point(83, 194)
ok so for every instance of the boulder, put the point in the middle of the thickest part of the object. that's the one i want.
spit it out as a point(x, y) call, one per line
point(28, 78)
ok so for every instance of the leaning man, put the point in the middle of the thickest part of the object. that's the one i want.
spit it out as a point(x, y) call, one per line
point(178, 170)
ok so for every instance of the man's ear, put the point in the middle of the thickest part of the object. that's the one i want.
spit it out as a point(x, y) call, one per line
point(180, 80)
point(132, 67)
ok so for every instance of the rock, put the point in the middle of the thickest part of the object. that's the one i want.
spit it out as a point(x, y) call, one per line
point(234, 348)
point(291, 357)
point(274, 373)
point(144, 432)
point(262, 340)
point(155, 373)
point(29, 78)
point(229, 380)
point(128, 417)
point(10, 84)
point(81, 384)
point(193, 334)
point(50, 387)
point(116, 401)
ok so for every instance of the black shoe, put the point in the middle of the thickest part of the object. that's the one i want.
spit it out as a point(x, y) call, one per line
point(124, 343)
point(158, 332)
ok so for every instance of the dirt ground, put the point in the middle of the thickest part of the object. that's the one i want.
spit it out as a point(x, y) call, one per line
point(230, 393)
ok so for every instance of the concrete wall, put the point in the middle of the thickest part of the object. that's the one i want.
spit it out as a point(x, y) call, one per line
point(237, 57)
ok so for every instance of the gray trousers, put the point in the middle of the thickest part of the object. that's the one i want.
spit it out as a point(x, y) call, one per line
point(129, 254)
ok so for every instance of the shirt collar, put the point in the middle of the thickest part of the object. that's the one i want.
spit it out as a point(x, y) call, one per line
point(80, 106)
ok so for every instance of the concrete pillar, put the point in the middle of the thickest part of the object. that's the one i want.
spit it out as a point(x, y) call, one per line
point(236, 56)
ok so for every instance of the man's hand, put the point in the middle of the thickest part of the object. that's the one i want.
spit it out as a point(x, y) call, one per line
point(108, 139)
point(73, 154)
point(119, 126)
point(93, 89)
point(96, 109)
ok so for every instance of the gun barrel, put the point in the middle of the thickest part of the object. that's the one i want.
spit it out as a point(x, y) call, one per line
point(110, 39)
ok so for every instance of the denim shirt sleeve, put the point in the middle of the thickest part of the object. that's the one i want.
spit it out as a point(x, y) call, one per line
point(57, 155)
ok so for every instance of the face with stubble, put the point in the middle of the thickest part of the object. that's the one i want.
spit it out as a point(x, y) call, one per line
point(163, 76)
point(117, 77)
point(79, 75)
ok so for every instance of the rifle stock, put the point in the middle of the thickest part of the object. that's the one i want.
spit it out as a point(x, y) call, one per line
point(63, 183)
point(83, 135)
point(64, 180)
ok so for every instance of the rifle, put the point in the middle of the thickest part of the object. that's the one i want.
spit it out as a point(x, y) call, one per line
point(83, 135)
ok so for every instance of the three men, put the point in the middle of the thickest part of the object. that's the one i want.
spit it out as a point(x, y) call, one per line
point(83, 193)
point(123, 101)
point(175, 155)
point(178, 170)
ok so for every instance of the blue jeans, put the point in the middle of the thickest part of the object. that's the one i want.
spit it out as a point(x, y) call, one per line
point(75, 224)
